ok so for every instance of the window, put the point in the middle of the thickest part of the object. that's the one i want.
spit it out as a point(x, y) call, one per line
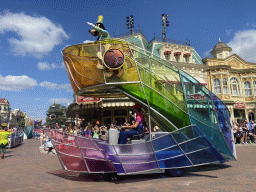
point(247, 88)
point(216, 85)
point(225, 86)
point(254, 87)
point(234, 86)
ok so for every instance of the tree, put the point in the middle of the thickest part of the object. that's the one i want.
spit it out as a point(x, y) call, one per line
point(59, 111)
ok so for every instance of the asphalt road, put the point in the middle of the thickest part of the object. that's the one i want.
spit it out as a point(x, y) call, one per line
point(26, 169)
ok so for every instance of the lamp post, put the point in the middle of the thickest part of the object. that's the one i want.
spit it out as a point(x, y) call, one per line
point(53, 116)
point(165, 23)
point(130, 24)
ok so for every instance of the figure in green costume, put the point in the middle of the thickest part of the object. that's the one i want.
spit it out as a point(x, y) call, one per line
point(4, 140)
point(99, 29)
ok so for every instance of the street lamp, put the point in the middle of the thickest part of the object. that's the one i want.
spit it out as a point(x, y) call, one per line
point(53, 116)
point(165, 23)
point(130, 24)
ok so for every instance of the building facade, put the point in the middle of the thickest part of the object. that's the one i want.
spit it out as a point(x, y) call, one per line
point(233, 80)
point(4, 109)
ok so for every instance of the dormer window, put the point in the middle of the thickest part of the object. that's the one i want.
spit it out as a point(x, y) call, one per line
point(186, 57)
point(167, 55)
point(177, 56)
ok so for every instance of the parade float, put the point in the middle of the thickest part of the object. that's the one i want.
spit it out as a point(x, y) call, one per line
point(195, 130)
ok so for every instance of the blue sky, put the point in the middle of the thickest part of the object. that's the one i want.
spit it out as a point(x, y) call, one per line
point(33, 33)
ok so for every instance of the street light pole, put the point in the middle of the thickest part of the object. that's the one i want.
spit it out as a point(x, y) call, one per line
point(130, 24)
point(165, 23)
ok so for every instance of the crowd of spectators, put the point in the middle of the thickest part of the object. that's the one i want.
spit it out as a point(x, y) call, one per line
point(244, 132)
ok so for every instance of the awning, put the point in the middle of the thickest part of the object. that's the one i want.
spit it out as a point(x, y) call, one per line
point(118, 104)
point(177, 53)
point(167, 52)
point(201, 80)
point(186, 54)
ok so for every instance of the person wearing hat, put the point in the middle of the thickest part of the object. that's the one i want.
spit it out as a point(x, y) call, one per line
point(4, 140)
point(135, 128)
point(99, 29)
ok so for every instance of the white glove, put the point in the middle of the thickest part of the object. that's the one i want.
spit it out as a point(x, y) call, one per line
point(92, 25)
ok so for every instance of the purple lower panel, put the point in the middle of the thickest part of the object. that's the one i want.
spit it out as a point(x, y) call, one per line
point(99, 166)
point(113, 158)
point(106, 149)
point(70, 150)
point(119, 168)
point(135, 149)
point(86, 142)
point(139, 167)
point(138, 159)
point(90, 153)
point(73, 163)
point(181, 161)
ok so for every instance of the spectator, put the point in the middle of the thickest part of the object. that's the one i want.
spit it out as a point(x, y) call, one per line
point(103, 133)
point(96, 130)
point(240, 134)
point(235, 128)
point(42, 136)
point(77, 131)
point(88, 130)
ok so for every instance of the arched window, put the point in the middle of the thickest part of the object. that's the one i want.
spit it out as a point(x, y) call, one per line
point(234, 86)
point(254, 87)
point(225, 86)
point(216, 85)
point(247, 88)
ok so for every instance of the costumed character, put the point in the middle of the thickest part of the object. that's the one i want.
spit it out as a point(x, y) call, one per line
point(4, 140)
point(135, 128)
point(99, 29)
point(113, 58)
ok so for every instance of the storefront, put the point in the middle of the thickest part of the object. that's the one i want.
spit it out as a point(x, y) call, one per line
point(107, 111)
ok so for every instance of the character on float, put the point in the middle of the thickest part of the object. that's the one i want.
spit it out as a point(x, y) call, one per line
point(99, 29)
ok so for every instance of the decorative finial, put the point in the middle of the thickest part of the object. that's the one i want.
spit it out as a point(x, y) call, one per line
point(219, 39)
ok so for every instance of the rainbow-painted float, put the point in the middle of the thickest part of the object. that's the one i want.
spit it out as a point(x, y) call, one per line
point(196, 130)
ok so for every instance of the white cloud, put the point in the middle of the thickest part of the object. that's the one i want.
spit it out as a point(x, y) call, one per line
point(46, 66)
point(61, 100)
point(50, 85)
point(43, 66)
point(16, 83)
point(228, 31)
point(62, 65)
point(37, 35)
point(244, 44)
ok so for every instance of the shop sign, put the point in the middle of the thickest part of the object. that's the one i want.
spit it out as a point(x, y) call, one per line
point(197, 97)
point(239, 105)
point(87, 100)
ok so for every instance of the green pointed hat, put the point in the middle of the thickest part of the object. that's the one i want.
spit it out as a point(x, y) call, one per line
point(100, 19)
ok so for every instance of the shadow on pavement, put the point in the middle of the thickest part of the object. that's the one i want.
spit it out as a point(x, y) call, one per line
point(191, 172)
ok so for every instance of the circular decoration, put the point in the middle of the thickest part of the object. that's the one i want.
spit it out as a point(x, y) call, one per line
point(113, 59)
point(53, 116)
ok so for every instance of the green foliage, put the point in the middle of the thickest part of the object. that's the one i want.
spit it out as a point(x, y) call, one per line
point(21, 123)
point(60, 112)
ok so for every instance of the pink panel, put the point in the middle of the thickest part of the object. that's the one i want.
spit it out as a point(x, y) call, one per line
point(89, 153)
point(73, 163)
point(67, 149)
point(85, 142)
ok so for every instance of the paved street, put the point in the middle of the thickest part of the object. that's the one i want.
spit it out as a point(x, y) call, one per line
point(26, 169)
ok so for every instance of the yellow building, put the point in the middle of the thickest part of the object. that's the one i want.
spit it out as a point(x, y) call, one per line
point(233, 80)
